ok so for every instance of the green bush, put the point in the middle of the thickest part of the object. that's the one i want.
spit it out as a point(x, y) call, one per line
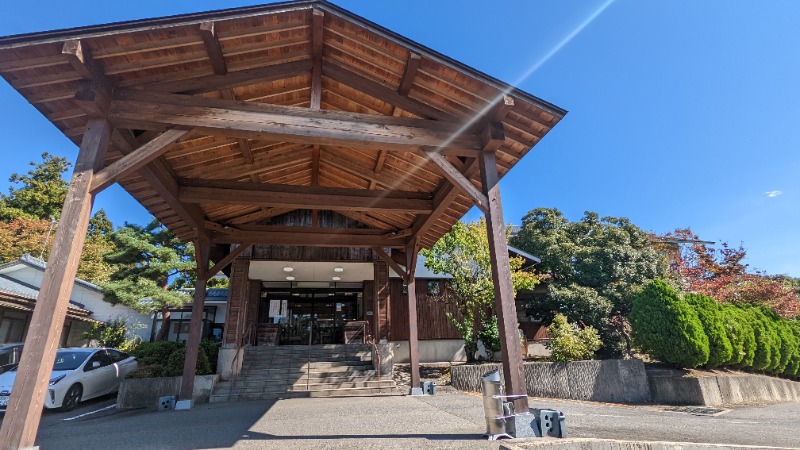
point(667, 328)
point(740, 334)
point(710, 314)
point(166, 359)
point(768, 345)
point(571, 343)
point(793, 368)
point(211, 349)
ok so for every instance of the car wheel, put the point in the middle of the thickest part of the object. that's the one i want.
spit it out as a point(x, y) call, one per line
point(72, 398)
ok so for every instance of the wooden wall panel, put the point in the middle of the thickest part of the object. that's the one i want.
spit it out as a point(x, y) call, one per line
point(432, 323)
point(237, 301)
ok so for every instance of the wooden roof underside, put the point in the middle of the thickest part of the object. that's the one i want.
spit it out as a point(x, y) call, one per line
point(305, 63)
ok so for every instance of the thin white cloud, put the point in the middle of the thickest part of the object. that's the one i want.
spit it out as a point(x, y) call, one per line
point(773, 194)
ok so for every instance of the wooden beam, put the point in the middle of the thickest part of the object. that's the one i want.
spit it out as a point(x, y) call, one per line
point(367, 220)
point(382, 92)
point(211, 83)
point(202, 248)
point(303, 197)
point(227, 260)
point(317, 30)
point(264, 213)
point(135, 160)
point(80, 58)
point(493, 136)
point(380, 161)
point(458, 179)
point(320, 237)
point(162, 182)
point(412, 66)
point(214, 50)
point(413, 332)
point(289, 123)
point(398, 269)
point(25, 406)
point(504, 305)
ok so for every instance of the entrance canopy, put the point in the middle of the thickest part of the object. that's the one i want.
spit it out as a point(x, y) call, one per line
point(248, 113)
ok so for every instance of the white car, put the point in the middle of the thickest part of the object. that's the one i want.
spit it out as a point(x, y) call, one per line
point(78, 374)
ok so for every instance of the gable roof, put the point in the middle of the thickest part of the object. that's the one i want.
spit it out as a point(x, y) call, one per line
point(400, 100)
point(33, 262)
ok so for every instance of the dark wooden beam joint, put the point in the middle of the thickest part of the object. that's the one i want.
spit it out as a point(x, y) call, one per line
point(458, 179)
point(213, 48)
point(400, 270)
point(317, 31)
point(493, 136)
point(412, 66)
point(227, 260)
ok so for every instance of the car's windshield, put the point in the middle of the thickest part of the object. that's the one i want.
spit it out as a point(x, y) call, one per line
point(67, 360)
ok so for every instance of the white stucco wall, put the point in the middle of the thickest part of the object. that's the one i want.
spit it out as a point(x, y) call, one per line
point(432, 351)
point(91, 299)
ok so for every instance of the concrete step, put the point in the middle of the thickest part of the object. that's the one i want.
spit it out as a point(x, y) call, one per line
point(354, 392)
point(342, 385)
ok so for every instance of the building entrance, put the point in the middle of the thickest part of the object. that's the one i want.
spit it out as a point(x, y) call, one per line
point(311, 315)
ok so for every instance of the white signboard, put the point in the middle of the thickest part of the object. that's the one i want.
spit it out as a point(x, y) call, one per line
point(274, 308)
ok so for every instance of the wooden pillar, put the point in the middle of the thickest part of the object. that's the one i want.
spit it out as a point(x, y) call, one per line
point(236, 316)
point(501, 276)
point(201, 252)
point(381, 301)
point(413, 343)
point(24, 410)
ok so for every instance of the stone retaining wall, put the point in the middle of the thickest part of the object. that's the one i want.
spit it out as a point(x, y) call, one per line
point(614, 380)
point(144, 392)
point(722, 390)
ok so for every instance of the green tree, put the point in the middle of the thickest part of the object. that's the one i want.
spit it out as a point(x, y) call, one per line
point(595, 267)
point(42, 191)
point(667, 328)
point(463, 253)
point(150, 262)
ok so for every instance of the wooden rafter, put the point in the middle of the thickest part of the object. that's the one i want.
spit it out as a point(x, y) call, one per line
point(412, 66)
point(317, 30)
point(299, 197)
point(211, 83)
point(213, 48)
point(291, 124)
point(264, 213)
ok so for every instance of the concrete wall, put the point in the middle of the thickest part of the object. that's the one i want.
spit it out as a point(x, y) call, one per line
point(722, 390)
point(614, 380)
point(144, 392)
point(432, 351)
point(228, 363)
point(613, 444)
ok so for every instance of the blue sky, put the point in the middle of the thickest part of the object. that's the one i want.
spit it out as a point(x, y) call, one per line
point(682, 113)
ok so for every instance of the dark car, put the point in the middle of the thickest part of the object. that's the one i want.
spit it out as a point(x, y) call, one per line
point(9, 356)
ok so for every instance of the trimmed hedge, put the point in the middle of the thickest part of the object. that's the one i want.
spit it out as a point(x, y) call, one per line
point(668, 328)
point(166, 358)
point(679, 330)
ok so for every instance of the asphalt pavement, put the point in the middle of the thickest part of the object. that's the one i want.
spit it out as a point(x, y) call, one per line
point(447, 420)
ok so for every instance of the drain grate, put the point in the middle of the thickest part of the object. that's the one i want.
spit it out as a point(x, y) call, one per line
point(697, 410)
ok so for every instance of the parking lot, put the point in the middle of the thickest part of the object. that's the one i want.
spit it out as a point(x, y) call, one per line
point(449, 420)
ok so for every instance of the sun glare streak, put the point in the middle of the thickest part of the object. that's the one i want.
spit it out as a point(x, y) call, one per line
point(491, 105)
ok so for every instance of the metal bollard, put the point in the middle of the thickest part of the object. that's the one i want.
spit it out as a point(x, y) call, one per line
point(493, 407)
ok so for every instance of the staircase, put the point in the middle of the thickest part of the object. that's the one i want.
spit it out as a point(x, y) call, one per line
point(287, 371)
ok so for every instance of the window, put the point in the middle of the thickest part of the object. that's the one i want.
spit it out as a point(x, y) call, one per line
point(101, 357)
point(117, 356)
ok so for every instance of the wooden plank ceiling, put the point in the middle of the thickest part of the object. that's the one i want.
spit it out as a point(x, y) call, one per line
point(298, 105)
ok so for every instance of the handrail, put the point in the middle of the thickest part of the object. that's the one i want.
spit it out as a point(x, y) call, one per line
point(376, 356)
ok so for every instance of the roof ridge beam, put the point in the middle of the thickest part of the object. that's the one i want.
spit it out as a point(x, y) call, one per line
point(288, 123)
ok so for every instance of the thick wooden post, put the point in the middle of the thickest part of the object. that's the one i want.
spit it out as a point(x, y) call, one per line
point(413, 343)
point(501, 275)
point(24, 410)
point(201, 253)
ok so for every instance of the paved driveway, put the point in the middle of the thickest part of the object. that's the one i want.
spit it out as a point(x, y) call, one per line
point(449, 420)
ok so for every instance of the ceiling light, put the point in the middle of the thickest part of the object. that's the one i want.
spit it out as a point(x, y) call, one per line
point(336, 278)
point(338, 269)
point(288, 269)
point(290, 278)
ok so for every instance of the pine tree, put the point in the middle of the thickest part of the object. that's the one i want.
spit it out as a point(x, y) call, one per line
point(42, 193)
point(150, 262)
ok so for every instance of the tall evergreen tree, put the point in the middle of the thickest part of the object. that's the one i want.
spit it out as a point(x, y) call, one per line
point(151, 261)
point(42, 193)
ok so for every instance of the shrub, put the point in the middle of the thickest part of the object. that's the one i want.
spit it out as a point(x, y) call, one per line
point(211, 349)
point(571, 343)
point(793, 368)
point(768, 346)
point(115, 333)
point(667, 328)
point(166, 359)
point(740, 334)
point(709, 313)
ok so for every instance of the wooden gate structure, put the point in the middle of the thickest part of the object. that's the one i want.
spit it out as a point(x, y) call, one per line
point(217, 121)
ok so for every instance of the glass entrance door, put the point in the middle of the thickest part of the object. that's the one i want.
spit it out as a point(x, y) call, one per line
point(311, 316)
